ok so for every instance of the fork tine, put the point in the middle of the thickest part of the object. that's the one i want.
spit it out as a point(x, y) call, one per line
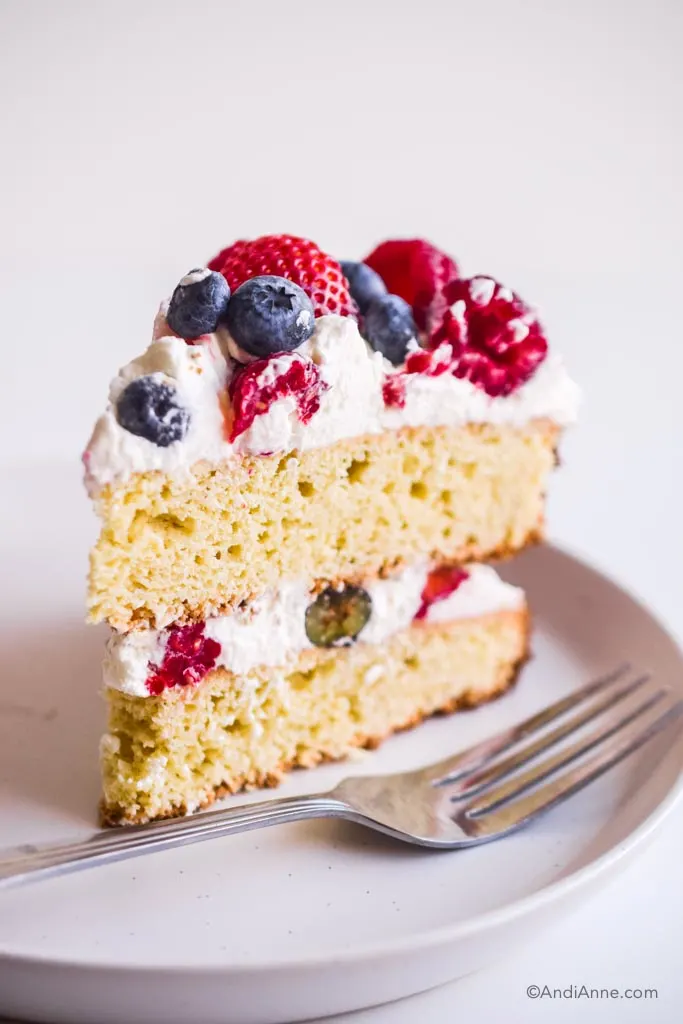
point(468, 785)
point(468, 760)
point(498, 795)
point(516, 813)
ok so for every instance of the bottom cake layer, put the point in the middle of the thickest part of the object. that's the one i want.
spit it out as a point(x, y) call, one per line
point(174, 753)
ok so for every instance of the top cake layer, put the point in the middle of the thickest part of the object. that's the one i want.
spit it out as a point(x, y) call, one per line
point(293, 421)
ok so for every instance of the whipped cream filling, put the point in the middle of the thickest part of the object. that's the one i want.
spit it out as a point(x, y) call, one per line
point(271, 630)
point(351, 406)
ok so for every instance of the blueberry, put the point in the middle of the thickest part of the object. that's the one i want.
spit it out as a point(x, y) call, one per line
point(336, 617)
point(198, 304)
point(270, 314)
point(389, 326)
point(365, 284)
point(149, 407)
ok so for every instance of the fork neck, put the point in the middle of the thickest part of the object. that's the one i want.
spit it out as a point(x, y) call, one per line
point(103, 847)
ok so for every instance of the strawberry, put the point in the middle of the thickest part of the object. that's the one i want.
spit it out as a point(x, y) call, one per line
point(298, 260)
point(418, 272)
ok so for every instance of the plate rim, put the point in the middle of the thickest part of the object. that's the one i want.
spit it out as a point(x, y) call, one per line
point(441, 935)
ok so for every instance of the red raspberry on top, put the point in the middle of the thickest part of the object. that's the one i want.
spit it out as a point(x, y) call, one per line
point(496, 340)
point(418, 272)
point(255, 387)
point(298, 260)
point(430, 362)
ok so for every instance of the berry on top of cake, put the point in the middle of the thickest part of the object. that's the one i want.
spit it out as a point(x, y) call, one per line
point(198, 304)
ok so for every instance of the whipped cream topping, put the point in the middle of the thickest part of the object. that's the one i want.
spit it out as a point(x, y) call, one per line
point(271, 630)
point(352, 404)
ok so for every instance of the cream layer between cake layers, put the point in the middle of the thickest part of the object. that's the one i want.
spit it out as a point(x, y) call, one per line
point(271, 631)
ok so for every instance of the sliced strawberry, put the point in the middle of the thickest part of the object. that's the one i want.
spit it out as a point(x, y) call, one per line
point(440, 584)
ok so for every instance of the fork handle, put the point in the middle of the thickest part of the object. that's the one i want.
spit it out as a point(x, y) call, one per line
point(29, 862)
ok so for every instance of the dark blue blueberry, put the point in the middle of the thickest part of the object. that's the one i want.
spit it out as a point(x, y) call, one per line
point(388, 326)
point(198, 304)
point(270, 314)
point(149, 407)
point(365, 284)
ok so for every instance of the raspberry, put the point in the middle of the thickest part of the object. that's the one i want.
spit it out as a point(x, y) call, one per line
point(298, 260)
point(418, 272)
point(496, 340)
point(429, 363)
point(189, 656)
point(394, 390)
point(256, 386)
point(440, 584)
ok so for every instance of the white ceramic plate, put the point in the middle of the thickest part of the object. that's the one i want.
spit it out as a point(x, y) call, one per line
point(308, 919)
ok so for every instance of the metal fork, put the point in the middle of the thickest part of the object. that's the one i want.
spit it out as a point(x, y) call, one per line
point(475, 796)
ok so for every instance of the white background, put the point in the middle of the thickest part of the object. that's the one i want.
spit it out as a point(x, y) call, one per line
point(538, 141)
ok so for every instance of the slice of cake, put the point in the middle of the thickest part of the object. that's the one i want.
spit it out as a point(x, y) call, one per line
point(276, 433)
point(296, 483)
point(298, 677)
